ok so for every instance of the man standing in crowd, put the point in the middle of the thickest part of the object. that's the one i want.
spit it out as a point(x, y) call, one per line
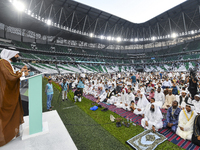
point(133, 79)
point(192, 85)
point(65, 89)
point(49, 93)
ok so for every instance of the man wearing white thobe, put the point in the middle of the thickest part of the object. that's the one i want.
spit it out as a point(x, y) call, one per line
point(185, 122)
point(159, 98)
point(153, 118)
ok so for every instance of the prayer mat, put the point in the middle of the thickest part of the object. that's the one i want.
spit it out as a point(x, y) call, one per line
point(147, 140)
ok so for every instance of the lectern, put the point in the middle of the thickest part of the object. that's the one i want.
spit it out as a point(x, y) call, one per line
point(36, 126)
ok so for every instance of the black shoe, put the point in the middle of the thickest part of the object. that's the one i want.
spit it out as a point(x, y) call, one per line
point(105, 109)
point(118, 124)
point(66, 99)
point(63, 100)
point(99, 106)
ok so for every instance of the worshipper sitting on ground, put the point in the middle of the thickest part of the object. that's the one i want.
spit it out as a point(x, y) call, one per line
point(121, 100)
point(159, 98)
point(175, 89)
point(186, 122)
point(148, 89)
point(169, 99)
point(196, 131)
point(166, 91)
point(141, 105)
point(183, 99)
point(102, 97)
point(153, 118)
point(151, 94)
point(196, 103)
point(152, 100)
point(172, 117)
point(77, 95)
point(166, 83)
point(113, 98)
point(128, 101)
point(109, 94)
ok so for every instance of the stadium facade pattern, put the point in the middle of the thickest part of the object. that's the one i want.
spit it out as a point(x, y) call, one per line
point(139, 42)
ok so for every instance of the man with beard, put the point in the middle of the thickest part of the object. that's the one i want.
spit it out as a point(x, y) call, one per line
point(11, 111)
point(196, 103)
point(186, 122)
point(153, 118)
point(172, 117)
point(183, 100)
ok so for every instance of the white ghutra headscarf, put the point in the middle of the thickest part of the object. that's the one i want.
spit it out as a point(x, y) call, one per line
point(8, 54)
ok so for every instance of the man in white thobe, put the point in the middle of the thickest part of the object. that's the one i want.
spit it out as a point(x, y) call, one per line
point(185, 122)
point(159, 98)
point(141, 105)
point(169, 99)
point(196, 103)
point(129, 99)
point(153, 118)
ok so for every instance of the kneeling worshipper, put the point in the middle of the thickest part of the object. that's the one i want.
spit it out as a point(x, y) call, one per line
point(153, 118)
point(186, 122)
point(196, 103)
point(11, 110)
point(169, 99)
point(196, 131)
point(172, 117)
point(141, 105)
point(159, 98)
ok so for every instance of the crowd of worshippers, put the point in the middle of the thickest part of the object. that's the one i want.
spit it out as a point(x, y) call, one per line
point(146, 94)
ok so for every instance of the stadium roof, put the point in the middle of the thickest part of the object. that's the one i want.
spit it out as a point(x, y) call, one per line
point(72, 20)
point(136, 11)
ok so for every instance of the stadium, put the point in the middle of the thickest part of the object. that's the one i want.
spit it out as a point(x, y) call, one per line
point(68, 39)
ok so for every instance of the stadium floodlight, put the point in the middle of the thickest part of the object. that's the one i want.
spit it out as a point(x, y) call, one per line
point(192, 32)
point(136, 39)
point(102, 37)
point(109, 38)
point(174, 35)
point(91, 35)
point(48, 22)
point(119, 39)
point(29, 12)
point(153, 38)
point(19, 5)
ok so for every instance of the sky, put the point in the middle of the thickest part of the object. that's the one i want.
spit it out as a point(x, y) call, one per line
point(136, 11)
